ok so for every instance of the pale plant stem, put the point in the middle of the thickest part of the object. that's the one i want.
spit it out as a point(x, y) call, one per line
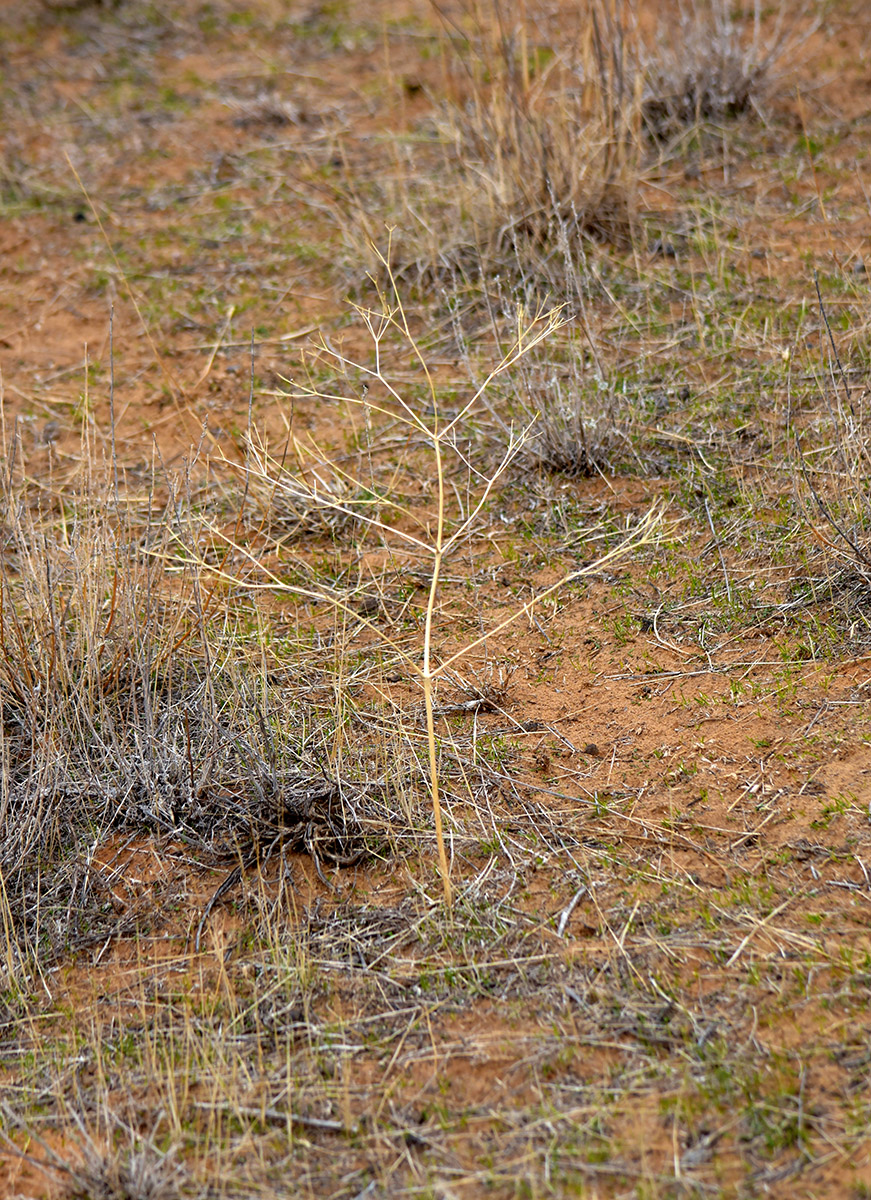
point(427, 671)
point(444, 869)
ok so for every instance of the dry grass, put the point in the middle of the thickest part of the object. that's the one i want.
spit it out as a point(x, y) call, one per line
point(833, 458)
point(423, 583)
point(717, 66)
point(506, 188)
point(137, 698)
point(505, 194)
point(119, 1165)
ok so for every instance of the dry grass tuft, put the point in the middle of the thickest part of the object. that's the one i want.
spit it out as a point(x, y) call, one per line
point(139, 1174)
point(137, 698)
point(537, 140)
point(547, 134)
point(835, 467)
point(570, 444)
point(580, 430)
point(297, 494)
point(538, 136)
point(716, 65)
point(94, 671)
point(577, 423)
point(111, 1162)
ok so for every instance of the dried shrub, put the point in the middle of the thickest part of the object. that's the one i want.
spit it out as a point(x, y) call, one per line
point(714, 64)
point(129, 705)
point(140, 1173)
point(576, 434)
point(537, 140)
point(834, 481)
point(296, 493)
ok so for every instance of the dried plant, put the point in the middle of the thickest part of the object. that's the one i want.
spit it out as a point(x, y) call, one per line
point(834, 490)
point(112, 1164)
point(571, 437)
point(714, 64)
point(295, 493)
point(129, 703)
point(413, 535)
point(538, 138)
